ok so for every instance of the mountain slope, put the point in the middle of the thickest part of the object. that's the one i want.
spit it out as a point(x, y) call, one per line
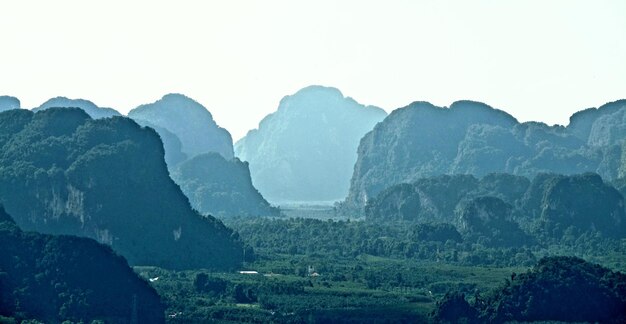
point(306, 149)
point(422, 140)
point(57, 278)
point(220, 187)
point(63, 173)
point(550, 205)
point(190, 121)
point(199, 156)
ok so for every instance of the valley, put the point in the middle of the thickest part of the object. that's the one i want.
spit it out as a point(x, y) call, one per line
point(458, 214)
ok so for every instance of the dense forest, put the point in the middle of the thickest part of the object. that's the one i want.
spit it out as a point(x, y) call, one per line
point(65, 173)
point(498, 206)
point(199, 156)
point(220, 187)
point(422, 140)
point(454, 215)
point(56, 278)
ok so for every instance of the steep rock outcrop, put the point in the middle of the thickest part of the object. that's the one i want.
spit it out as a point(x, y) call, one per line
point(190, 121)
point(422, 140)
point(306, 150)
point(219, 187)
point(62, 172)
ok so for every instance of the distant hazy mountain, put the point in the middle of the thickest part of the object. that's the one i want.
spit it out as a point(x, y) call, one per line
point(306, 150)
point(581, 123)
point(422, 140)
point(65, 278)
point(199, 155)
point(89, 107)
point(190, 121)
point(62, 172)
point(220, 187)
point(7, 103)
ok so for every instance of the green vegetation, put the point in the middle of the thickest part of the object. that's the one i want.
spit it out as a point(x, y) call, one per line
point(57, 278)
point(564, 289)
point(199, 156)
point(364, 289)
point(403, 248)
point(507, 210)
point(317, 271)
point(62, 172)
point(422, 140)
point(221, 188)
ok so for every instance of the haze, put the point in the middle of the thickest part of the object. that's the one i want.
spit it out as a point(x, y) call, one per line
point(534, 59)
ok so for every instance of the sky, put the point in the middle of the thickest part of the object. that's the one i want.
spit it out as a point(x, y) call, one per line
point(537, 60)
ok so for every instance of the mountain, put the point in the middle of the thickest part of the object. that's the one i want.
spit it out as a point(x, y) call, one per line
point(550, 205)
point(62, 172)
point(557, 289)
point(305, 151)
point(89, 107)
point(582, 202)
point(422, 140)
point(582, 122)
point(199, 156)
point(190, 121)
point(490, 221)
point(7, 103)
point(171, 144)
point(57, 278)
point(220, 187)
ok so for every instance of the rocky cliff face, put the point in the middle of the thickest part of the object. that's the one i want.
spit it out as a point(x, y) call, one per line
point(422, 140)
point(306, 150)
point(190, 121)
point(199, 155)
point(220, 187)
point(62, 172)
point(492, 206)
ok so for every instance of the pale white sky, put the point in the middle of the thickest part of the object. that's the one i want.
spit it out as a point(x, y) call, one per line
point(538, 60)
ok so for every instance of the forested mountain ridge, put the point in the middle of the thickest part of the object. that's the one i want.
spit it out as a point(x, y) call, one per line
point(550, 206)
point(62, 172)
point(422, 140)
point(89, 107)
point(305, 151)
point(220, 187)
point(216, 184)
point(581, 123)
point(563, 289)
point(58, 278)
